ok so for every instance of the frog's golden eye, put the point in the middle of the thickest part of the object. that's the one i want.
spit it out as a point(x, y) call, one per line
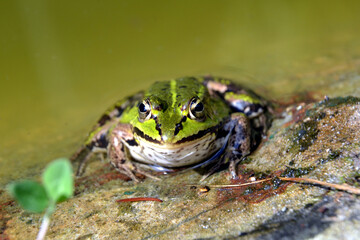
point(196, 110)
point(144, 110)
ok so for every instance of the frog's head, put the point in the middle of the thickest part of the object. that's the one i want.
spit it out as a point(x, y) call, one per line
point(177, 111)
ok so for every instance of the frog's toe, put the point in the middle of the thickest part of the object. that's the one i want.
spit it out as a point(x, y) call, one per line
point(129, 169)
point(128, 172)
point(148, 175)
point(232, 169)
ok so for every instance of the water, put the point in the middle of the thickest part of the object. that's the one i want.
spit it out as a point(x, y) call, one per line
point(62, 63)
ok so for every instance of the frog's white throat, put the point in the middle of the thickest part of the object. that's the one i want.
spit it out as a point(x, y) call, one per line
point(176, 155)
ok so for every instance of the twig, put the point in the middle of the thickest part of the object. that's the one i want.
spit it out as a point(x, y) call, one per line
point(233, 185)
point(138, 199)
point(342, 187)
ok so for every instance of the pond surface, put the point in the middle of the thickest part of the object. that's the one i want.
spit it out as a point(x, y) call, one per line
point(63, 63)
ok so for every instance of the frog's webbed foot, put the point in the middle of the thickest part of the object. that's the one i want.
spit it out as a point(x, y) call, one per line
point(118, 160)
point(129, 169)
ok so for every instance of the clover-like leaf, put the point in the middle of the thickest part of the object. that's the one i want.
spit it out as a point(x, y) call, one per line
point(30, 195)
point(58, 180)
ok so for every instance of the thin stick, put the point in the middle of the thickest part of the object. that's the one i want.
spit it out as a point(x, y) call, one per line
point(342, 187)
point(236, 185)
point(138, 199)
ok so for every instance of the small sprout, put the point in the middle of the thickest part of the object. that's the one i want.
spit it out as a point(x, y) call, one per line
point(57, 186)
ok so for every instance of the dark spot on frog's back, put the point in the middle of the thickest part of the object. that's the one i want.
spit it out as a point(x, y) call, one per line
point(183, 86)
point(121, 110)
point(104, 118)
point(102, 142)
point(118, 110)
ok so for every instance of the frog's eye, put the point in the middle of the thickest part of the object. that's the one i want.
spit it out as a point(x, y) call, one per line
point(196, 110)
point(144, 110)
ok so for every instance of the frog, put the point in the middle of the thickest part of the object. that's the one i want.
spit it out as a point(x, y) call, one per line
point(184, 123)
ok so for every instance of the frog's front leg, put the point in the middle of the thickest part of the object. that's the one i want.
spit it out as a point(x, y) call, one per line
point(118, 153)
point(239, 143)
point(98, 139)
point(97, 142)
point(250, 118)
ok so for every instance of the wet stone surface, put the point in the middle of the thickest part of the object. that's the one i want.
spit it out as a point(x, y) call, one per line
point(318, 140)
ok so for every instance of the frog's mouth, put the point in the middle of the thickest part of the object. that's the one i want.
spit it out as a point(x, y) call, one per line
point(187, 152)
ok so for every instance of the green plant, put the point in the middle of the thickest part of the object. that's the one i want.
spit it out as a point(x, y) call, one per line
point(57, 186)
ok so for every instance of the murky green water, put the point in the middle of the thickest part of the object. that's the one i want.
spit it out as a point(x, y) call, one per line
point(62, 63)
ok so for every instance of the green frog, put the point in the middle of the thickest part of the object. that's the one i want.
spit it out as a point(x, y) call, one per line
point(189, 122)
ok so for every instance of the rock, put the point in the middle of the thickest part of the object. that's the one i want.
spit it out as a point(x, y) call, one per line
point(316, 140)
